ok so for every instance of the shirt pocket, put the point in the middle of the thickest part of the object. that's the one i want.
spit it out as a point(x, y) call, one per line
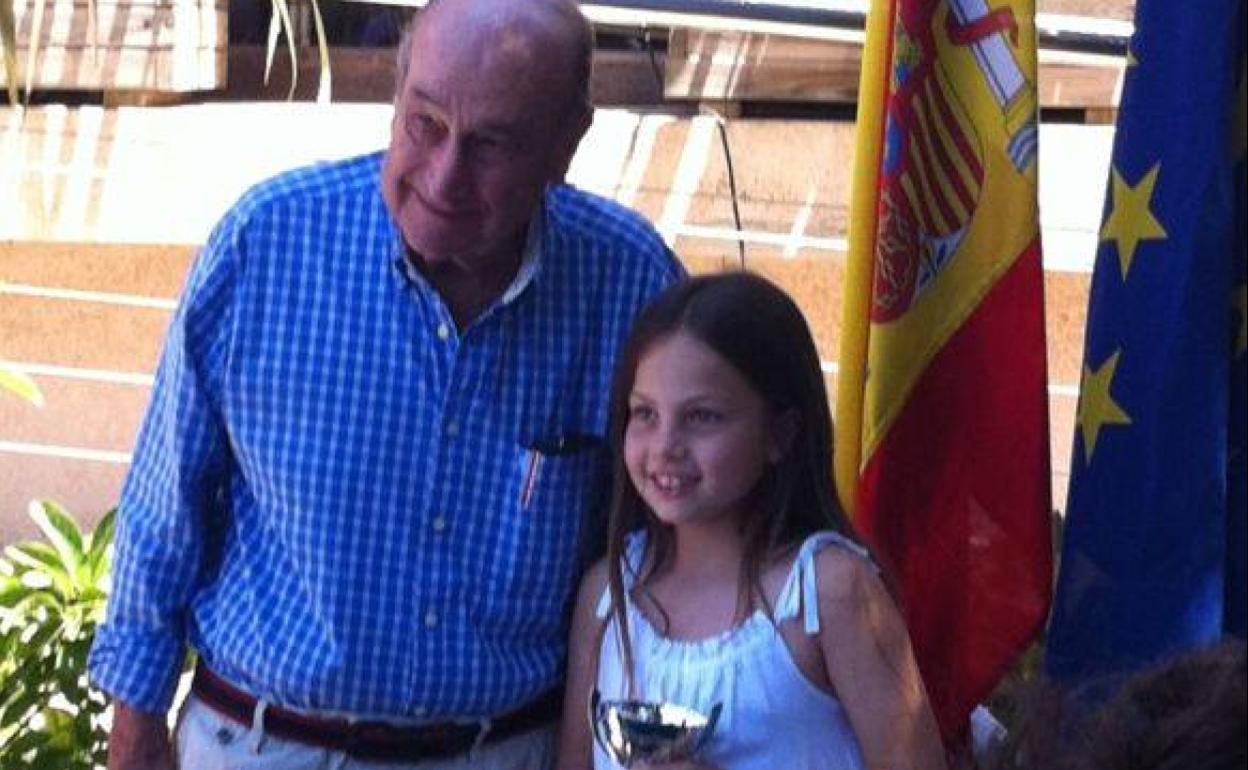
point(556, 486)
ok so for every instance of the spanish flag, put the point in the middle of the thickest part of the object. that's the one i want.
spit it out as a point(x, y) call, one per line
point(942, 425)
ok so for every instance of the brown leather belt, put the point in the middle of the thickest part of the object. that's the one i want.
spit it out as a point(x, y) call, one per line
point(374, 741)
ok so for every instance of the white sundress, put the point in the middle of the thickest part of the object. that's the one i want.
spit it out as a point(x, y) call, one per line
point(772, 716)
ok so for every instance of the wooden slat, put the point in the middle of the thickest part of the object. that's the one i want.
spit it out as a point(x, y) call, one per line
point(367, 75)
point(736, 66)
point(147, 45)
point(1080, 81)
point(1117, 10)
point(713, 66)
point(126, 24)
point(86, 489)
point(144, 270)
point(159, 69)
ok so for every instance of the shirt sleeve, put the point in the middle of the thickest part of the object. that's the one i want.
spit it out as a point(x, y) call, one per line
point(175, 488)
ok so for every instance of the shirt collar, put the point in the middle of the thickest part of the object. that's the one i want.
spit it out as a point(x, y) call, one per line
point(530, 258)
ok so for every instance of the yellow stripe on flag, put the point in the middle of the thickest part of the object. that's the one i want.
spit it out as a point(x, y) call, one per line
point(868, 145)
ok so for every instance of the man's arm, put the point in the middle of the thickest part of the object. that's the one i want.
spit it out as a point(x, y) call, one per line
point(138, 741)
point(172, 492)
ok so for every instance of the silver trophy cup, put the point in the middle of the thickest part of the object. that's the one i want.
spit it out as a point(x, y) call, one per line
point(632, 731)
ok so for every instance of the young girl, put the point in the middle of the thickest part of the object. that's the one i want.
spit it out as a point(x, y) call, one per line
point(731, 577)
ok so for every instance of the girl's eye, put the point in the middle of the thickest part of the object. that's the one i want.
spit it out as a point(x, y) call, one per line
point(640, 413)
point(704, 416)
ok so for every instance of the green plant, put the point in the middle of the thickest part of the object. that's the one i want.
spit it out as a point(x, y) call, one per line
point(12, 380)
point(52, 597)
point(19, 384)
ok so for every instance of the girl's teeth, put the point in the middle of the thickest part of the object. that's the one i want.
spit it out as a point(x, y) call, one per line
point(669, 483)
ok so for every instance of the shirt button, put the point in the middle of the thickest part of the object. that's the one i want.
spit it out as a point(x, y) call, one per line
point(444, 332)
point(452, 429)
point(439, 524)
point(431, 619)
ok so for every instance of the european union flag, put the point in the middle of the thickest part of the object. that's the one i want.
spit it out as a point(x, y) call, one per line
point(1153, 559)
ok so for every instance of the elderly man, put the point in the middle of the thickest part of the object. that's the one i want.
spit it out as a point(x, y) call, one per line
point(364, 485)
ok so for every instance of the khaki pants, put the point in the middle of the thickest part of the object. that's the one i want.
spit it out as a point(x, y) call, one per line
point(207, 740)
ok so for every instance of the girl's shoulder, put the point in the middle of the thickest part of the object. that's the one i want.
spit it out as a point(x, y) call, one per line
point(827, 570)
point(843, 574)
point(829, 556)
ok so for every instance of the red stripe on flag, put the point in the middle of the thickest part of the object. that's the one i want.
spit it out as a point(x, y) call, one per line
point(955, 499)
point(930, 176)
point(969, 157)
point(941, 150)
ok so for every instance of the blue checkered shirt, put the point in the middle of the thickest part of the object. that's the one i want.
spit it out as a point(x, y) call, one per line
point(343, 502)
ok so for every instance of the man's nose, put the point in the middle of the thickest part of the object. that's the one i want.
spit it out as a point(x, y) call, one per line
point(446, 169)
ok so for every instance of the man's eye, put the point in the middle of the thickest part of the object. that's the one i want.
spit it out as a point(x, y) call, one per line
point(490, 147)
point(421, 126)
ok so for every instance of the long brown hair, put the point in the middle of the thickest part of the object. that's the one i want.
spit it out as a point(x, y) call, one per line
point(760, 331)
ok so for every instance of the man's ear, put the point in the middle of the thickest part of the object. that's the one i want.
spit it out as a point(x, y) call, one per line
point(578, 125)
point(783, 432)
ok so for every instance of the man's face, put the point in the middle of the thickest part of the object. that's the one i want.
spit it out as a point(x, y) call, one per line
point(477, 136)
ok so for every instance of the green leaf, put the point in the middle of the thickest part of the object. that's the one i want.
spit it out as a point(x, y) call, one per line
point(99, 551)
point(42, 635)
point(61, 531)
point(12, 590)
point(60, 725)
point(38, 607)
point(27, 741)
point(325, 85)
point(36, 556)
point(8, 41)
point(42, 559)
point(32, 51)
point(10, 379)
point(280, 21)
point(102, 537)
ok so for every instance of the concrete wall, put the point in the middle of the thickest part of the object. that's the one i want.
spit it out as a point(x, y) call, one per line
point(101, 212)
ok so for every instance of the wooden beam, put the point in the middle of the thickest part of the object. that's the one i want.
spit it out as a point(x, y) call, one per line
point(709, 66)
point(149, 45)
point(744, 67)
point(367, 75)
point(125, 23)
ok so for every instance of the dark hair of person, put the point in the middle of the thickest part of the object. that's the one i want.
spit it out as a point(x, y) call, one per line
point(760, 331)
point(1189, 713)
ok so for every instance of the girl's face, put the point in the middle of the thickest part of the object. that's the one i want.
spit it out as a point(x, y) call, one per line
point(698, 436)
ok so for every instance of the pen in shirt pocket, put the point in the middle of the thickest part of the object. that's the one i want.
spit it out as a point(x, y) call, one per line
point(536, 453)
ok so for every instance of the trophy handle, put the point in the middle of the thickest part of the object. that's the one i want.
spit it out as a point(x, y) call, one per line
point(709, 730)
point(595, 700)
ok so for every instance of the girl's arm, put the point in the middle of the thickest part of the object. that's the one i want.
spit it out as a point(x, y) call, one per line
point(575, 741)
point(872, 668)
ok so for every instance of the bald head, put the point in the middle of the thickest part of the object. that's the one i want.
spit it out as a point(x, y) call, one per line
point(523, 32)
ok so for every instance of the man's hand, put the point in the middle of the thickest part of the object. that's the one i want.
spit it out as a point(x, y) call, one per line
point(138, 741)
